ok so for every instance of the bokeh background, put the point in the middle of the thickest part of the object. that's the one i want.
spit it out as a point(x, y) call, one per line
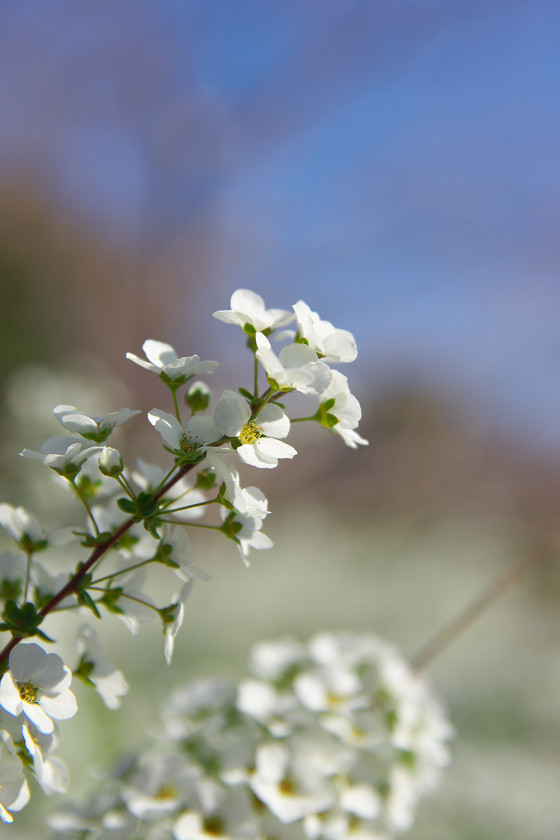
point(396, 166)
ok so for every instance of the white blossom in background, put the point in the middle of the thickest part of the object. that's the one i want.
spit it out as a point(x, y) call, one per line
point(260, 444)
point(330, 343)
point(257, 762)
point(248, 308)
point(296, 367)
point(95, 666)
point(20, 524)
point(60, 453)
point(172, 627)
point(92, 427)
point(37, 685)
point(162, 358)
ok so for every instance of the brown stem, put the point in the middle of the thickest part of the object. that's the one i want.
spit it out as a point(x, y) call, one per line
point(98, 552)
point(484, 600)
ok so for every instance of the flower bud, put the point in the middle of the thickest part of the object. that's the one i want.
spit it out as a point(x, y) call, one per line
point(110, 462)
point(198, 397)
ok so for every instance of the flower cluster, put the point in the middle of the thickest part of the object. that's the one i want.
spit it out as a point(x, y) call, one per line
point(338, 737)
point(135, 519)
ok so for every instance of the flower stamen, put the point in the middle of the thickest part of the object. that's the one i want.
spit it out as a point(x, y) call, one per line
point(250, 432)
point(28, 692)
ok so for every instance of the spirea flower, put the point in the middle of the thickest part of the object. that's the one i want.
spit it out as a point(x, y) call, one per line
point(22, 527)
point(248, 312)
point(65, 455)
point(14, 792)
point(330, 343)
point(37, 685)
point(162, 359)
point(248, 763)
point(259, 436)
point(340, 411)
point(92, 427)
point(296, 367)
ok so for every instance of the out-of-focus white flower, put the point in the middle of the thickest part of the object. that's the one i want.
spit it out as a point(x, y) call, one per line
point(63, 454)
point(14, 792)
point(37, 685)
point(330, 343)
point(290, 786)
point(260, 446)
point(162, 359)
point(92, 427)
point(295, 368)
point(248, 309)
point(21, 525)
point(95, 666)
point(339, 404)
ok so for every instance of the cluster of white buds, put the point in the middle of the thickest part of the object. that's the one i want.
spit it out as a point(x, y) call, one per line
point(337, 737)
point(135, 518)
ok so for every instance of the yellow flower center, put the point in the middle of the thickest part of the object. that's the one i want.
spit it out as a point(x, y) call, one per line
point(28, 692)
point(250, 432)
point(214, 826)
point(166, 792)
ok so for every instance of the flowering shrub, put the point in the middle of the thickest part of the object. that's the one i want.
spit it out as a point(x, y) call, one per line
point(339, 736)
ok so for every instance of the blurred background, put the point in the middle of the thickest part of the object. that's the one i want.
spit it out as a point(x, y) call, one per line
point(396, 166)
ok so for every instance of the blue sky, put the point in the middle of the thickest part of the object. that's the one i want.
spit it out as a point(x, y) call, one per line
point(394, 164)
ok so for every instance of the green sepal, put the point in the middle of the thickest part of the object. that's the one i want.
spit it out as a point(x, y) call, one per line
point(323, 415)
point(235, 443)
point(100, 436)
point(245, 393)
point(10, 589)
point(163, 555)
point(205, 480)
point(177, 382)
point(20, 621)
point(222, 498)
point(23, 754)
point(168, 614)
point(88, 489)
point(91, 540)
point(230, 527)
point(30, 546)
point(84, 669)
point(110, 599)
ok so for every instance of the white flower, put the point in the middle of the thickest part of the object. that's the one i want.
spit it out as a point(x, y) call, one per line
point(162, 359)
point(109, 682)
point(260, 446)
point(249, 535)
point(295, 368)
point(247, 308)
point(291, 786)
point(200, 430)
point(182, 554)
point(248, 501)
point(63, 454)
point(332, 344)
point(14, 792)
point(345, 408)
point(20, 524)
point(37, 685)
point(92, 427)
